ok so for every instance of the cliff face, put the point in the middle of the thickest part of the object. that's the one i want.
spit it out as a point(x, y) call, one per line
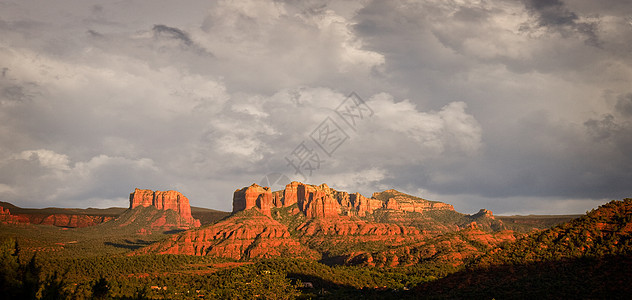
point(172, 200)
point(253, 196)
point(321, 201)
point(68, 220)
point(397, 200)
point(246, 235)
point(313, 222)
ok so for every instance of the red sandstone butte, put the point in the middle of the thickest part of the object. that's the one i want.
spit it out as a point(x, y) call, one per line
point(163, 201)
point(253, 196)
point(321, 201)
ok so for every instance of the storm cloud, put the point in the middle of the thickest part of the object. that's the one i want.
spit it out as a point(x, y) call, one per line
point(514, 106)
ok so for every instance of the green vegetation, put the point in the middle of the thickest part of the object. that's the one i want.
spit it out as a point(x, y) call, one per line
point(187, 277)
point(605, 231)
point(108, 212)
point(588, 257)
point(385, 195)
point(208, 216)
point(109, 238)
point(534, 222)
point(205, 215)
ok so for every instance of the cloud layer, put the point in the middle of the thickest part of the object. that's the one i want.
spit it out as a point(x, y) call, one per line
point(518, 107)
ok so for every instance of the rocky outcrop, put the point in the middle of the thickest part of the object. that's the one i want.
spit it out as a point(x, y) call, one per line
point(317, 201)
point(245, 235)
point(453, 249)
point(484, 213)
point(321, 201)
point(253, 196)
point(60, 220)
point(166, 200)
point(72, 221)
point(316, 221)
point(364, 205)
point(7, 218)
point(399, 201)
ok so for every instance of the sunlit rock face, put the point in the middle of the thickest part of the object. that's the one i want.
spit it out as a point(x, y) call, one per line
point(163, 201)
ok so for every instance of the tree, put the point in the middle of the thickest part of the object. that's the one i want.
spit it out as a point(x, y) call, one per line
point(9, 268)
point(100, 289)
point(54, 288)
point(30, 279)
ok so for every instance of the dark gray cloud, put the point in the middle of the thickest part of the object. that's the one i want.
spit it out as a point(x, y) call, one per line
point(552, 12)
point(624, 105)
point(172, 32)
point(504, 105)
point(556, 15)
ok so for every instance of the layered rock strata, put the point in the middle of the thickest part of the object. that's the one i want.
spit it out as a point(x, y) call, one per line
point(321, 201)
point(163, 201)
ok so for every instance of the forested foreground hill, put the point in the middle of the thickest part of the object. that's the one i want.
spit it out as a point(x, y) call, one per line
point(588, 257)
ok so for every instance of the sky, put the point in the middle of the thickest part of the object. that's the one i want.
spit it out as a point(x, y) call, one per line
point(519, 107)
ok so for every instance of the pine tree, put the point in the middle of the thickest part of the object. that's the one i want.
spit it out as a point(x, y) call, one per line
point(100, 289)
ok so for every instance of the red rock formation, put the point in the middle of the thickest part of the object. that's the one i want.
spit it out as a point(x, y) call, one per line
point(317, 201)
point(399, 201)
point(277, 198)
point(365, 205)
point(163, 201)
point(7, 218)
point(392, 204)
point(290, 194)
point(253, 196)
point(322, 220)
point(484, 213)
point(345, 226)
point(245, 235)
point(74, 221)
point(324, 202)
point(61, 220)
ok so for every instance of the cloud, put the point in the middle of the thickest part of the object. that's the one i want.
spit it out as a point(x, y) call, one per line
point(46, 158)
point(101, 181)
point(294, 45)
point(555, 15)
point(485, 104)
point(172, 32)
point(624, 105)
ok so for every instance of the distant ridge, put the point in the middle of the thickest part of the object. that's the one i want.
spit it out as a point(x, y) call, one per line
point(85, 217)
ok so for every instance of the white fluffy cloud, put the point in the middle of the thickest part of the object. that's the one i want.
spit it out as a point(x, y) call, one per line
point(480, 103)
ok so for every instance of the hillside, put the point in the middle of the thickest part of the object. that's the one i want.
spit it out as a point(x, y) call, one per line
point(588, 257)
point(84, 217)
point(138, 226)
point(341, 245)
point(389, 229)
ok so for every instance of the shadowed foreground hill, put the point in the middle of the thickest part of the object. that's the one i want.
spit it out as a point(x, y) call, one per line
point(588, 257)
